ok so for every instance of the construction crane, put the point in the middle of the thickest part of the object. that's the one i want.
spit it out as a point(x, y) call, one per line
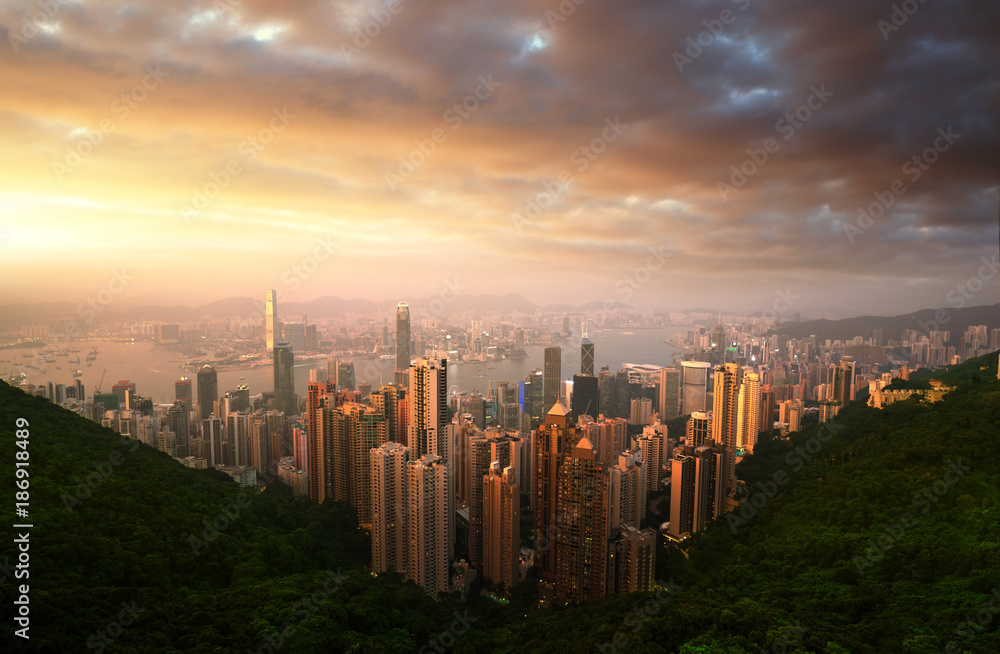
point(97, 389)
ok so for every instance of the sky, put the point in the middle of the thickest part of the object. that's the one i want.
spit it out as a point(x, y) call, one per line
point(665, 155)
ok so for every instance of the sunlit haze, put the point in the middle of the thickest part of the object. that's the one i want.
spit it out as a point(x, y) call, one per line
point(210, 149)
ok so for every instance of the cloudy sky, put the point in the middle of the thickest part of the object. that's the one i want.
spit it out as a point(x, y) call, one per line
point(673, 154)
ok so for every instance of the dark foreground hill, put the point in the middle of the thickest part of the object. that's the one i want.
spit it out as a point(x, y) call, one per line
point(880, 533)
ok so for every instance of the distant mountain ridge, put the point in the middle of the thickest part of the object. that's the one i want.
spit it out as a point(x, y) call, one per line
point(449, 302)
point(949, 319)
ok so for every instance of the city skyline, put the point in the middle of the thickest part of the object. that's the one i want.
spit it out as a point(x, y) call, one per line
point(750, 147)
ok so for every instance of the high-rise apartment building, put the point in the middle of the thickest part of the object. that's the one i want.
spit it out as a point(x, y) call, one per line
point(388, 468)
point(501, 526)
point(748, 412)
point(842, 382)
point(626, 491)
point(318, 456)
point(652, 446)
point(681, 495)
point(640, 411)
point(552, 441)
point(767, 408)
point(357, 429)
point(428, 414)
point(582, 527)
point(386, 400)
point(709, 485)
point(480, 458)
point(698, 428)
point(632, 561)
point(728, 378)
point(430, 523)
point(213, 433)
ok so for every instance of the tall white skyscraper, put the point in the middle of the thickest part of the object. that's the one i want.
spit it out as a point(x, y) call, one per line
point(271, 332)
point(389, 505)
point(430, 528)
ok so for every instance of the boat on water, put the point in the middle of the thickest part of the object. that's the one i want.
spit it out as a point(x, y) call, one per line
point(78, 373)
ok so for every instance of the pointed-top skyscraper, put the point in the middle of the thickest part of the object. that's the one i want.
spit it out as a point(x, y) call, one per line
point(586, 357)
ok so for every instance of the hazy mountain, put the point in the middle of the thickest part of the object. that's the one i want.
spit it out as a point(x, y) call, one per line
point(953, 320)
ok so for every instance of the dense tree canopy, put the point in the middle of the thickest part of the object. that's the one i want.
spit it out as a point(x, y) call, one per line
point(879, 532)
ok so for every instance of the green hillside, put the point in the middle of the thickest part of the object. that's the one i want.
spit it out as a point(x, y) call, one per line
point(880, 534)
